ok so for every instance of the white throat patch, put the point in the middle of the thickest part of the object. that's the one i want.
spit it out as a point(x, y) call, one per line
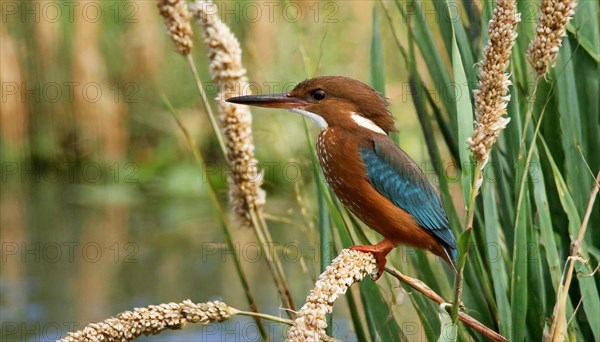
point(314, 117)
point(366, 123)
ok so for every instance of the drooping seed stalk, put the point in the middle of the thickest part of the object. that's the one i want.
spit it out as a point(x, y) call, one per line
point(154, 319)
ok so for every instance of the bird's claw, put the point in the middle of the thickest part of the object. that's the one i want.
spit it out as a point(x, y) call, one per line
point(381, 261)
point(379, 251)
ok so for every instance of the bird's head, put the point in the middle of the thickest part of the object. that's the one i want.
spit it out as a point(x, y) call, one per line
point(331, 101)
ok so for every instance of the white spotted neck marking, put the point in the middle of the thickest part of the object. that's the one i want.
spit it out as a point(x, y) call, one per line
point(366, 123)
point(314, 117)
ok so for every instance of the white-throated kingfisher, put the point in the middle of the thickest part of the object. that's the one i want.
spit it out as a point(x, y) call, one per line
point(372, 177)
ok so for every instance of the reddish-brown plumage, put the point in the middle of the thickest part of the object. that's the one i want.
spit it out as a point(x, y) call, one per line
point(345, 172)
point(353, 118)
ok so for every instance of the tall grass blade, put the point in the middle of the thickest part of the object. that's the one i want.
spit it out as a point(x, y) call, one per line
point(588, 89)
point(430, 53)
point(587, 284)
point(518, 286)
point(464, 119)
point(451, 21)
point(519, 276)
point(577, 178)
point(502, 176)
point(536, 299)
point(495, 255)
point(377, 71)
point(448, 331)
point(360, 332)
point(464, 111)
point(325, 241)
point(547, 236)
point(426, 311)
point(586, 28)
point(380, 319)
point(444, 125)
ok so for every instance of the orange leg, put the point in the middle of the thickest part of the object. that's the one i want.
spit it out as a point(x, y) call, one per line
point(379, 251)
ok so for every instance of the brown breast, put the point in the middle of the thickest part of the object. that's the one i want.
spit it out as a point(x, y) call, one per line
point(346, 174)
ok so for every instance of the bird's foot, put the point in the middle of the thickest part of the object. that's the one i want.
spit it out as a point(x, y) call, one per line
point(379, 251)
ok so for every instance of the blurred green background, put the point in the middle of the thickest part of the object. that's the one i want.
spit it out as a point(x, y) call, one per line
point(103, 207)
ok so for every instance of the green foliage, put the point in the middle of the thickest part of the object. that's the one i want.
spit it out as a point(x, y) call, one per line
point(521, 237)
point(449, 328)
point(377, 75)
point(520, 244)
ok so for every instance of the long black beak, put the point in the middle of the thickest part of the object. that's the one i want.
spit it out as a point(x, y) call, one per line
point(283, 100)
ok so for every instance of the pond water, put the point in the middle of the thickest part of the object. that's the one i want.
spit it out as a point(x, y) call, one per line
point(79, 252)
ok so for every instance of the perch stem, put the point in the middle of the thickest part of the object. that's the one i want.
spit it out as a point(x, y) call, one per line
point(429, 293)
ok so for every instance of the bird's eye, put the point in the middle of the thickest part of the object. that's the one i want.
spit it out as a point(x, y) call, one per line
point(318, 94)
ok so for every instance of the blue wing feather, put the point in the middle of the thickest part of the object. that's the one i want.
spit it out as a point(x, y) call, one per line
point(393, 174)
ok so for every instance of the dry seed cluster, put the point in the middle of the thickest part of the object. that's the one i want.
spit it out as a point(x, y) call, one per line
point(177, 20)
point(551, 28)
point(225, 56)
point(491, 95)
point(129, 325)
point(346, 269)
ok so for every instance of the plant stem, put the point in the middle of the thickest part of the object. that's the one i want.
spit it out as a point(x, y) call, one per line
point(235, 311)
point(209, 111)
point(222, 218)
point(274, 264)
point(429, 293)
point(529, 109)
point(530, 149)
point(559, 313)
point(463, 255)
point(261, 230)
